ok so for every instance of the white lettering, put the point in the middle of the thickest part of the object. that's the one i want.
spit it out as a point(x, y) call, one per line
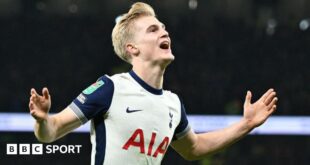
point(49, 149)
point(24, 149)
point(78, 148)
point(11, 149)
point(37, 149)
point(63, 149)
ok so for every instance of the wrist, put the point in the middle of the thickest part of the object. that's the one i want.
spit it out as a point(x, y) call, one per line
point(41, 120)
point(247, 125)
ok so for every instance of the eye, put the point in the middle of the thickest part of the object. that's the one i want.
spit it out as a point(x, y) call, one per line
point(153, 29)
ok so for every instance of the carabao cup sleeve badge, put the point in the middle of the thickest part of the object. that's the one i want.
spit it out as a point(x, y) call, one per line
point(92, 88)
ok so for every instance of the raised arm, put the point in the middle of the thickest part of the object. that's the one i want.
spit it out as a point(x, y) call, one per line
point(49, 128)
point(196, 146)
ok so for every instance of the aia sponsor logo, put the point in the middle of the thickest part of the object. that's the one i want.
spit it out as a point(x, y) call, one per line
point(137, 140)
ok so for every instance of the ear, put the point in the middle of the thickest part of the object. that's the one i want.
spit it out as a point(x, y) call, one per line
point(132, 49)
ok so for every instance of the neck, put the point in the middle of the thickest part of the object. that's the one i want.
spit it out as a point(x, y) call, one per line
point(153, 76)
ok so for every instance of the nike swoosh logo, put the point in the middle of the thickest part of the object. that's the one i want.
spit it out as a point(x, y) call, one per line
point(131, 111)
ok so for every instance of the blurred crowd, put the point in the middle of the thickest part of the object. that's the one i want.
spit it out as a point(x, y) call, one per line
point(215, 63)
point(217, 60)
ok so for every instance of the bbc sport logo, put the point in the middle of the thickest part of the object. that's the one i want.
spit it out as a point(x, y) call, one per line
point(39, 149)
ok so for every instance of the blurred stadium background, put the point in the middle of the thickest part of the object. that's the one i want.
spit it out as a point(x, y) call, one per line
point(222, 49)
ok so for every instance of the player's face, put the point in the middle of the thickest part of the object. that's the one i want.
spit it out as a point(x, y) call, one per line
point(152, 40)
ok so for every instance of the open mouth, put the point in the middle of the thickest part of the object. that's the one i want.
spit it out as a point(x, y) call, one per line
point(164, 45)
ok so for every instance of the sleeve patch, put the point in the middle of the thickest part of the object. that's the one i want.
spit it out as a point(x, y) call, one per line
point(92, 88)
point(81, 98)
point(94, 100)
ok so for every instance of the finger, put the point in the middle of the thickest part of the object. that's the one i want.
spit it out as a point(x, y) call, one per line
point(33, 92)
point(31, 105)
point(34, 98)
point(45, 93)
point(263, 98)
point(270, 98)
point(272, 110)
point(248, 98)
point(273, 102)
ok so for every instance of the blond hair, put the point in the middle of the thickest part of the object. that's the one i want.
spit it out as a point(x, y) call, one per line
point(123, 31)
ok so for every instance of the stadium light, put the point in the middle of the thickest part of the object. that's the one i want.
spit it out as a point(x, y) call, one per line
point(271, 26)
point(193, 4)
point(275, 125)
point(304, 24)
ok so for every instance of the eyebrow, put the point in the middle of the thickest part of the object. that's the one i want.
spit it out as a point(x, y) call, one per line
point(155, 25)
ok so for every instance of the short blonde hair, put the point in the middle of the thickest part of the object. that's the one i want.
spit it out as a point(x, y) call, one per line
point(123, 31)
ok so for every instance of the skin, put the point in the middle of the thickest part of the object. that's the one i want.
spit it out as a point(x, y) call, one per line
point(149, 62)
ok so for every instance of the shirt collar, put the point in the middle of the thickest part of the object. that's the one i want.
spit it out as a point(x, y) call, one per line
point(145, 85)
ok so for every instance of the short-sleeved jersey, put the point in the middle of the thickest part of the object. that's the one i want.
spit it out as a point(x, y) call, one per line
point(131, 122)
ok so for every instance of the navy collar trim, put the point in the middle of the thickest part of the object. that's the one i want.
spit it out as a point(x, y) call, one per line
point(145, 85)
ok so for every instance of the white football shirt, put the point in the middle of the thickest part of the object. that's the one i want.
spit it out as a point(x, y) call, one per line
point(132, 123)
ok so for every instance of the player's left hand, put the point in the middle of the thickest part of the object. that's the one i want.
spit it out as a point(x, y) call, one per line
point(257, 113)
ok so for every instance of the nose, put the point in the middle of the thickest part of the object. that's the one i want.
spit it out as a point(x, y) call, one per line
point(165, 34)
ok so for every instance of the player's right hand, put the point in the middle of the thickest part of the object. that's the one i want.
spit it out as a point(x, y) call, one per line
point(39, 105)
